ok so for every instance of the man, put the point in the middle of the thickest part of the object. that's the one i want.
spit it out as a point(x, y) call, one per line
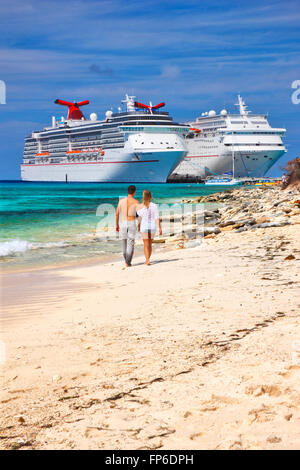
point(127, 207)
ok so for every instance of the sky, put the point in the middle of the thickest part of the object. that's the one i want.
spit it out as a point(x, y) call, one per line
point(195, 56)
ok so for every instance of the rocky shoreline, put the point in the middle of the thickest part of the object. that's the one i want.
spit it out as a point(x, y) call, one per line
point(236, 210)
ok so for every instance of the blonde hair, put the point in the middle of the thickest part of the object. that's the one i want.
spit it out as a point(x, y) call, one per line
point(147, 196)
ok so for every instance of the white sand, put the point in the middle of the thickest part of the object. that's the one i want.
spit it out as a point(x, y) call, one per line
point(197, 351)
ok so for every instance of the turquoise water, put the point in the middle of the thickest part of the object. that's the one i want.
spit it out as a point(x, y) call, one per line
point(53, 223)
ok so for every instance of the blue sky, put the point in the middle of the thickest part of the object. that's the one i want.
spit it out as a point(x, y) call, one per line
point(195, 56)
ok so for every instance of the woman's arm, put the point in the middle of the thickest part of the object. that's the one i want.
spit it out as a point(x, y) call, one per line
point(159, 226)
point(157, 219)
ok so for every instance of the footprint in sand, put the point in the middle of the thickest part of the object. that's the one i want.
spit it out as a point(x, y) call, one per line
point(262, 415)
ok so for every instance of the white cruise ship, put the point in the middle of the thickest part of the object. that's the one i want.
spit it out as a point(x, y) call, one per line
point(137, 145)
point(242, 145)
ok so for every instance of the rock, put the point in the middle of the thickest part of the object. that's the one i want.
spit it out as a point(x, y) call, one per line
point(21, 420)
point(211, 214)
point(289, 258)
point(210, 222)
point(241, 223)
point(280, 202)
point(180, 245)
point(56, 378)
point(226, 223)
point(209, 230)
point(263, 220)
point(272, 224)
point(20, 443)
point(211, 235)
point(272, 439)
point(194, 243)
point(176, 238)
point(221, 197)
point(227, 229)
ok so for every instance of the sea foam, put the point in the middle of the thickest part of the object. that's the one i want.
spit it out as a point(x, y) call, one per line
point(12, 247)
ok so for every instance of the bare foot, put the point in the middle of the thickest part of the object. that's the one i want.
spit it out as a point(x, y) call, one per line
point(147, 263)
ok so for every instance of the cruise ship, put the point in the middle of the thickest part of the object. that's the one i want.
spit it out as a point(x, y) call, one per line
point(241, 144)
point(138, 144)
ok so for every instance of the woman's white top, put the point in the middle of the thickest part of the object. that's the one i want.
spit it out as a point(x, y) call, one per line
point(148, 217)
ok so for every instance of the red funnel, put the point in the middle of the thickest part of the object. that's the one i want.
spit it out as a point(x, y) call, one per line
point(74, 110)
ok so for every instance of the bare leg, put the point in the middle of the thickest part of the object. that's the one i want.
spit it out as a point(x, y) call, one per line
point(147, 250)
point(150, 246)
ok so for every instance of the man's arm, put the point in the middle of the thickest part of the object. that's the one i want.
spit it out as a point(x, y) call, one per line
point(117, 218)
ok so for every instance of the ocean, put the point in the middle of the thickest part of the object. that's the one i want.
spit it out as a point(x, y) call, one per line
point(55, 223)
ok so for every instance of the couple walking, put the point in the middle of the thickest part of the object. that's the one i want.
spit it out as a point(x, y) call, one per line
point(148, 221)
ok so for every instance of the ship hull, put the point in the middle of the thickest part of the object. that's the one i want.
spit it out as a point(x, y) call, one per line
point(246, 164)
point(118, 167)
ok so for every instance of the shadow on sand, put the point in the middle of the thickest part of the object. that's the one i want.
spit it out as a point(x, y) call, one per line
point(157, 262)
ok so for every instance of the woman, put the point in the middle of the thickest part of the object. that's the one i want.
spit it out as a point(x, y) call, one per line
point(148, 223)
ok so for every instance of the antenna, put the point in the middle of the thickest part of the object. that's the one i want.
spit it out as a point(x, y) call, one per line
point(129, 100)
point(242, 105)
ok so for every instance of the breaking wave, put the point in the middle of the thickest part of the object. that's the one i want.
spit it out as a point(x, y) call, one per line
point(14, 247)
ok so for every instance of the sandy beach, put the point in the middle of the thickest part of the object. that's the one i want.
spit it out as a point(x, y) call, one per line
point(201, 350)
